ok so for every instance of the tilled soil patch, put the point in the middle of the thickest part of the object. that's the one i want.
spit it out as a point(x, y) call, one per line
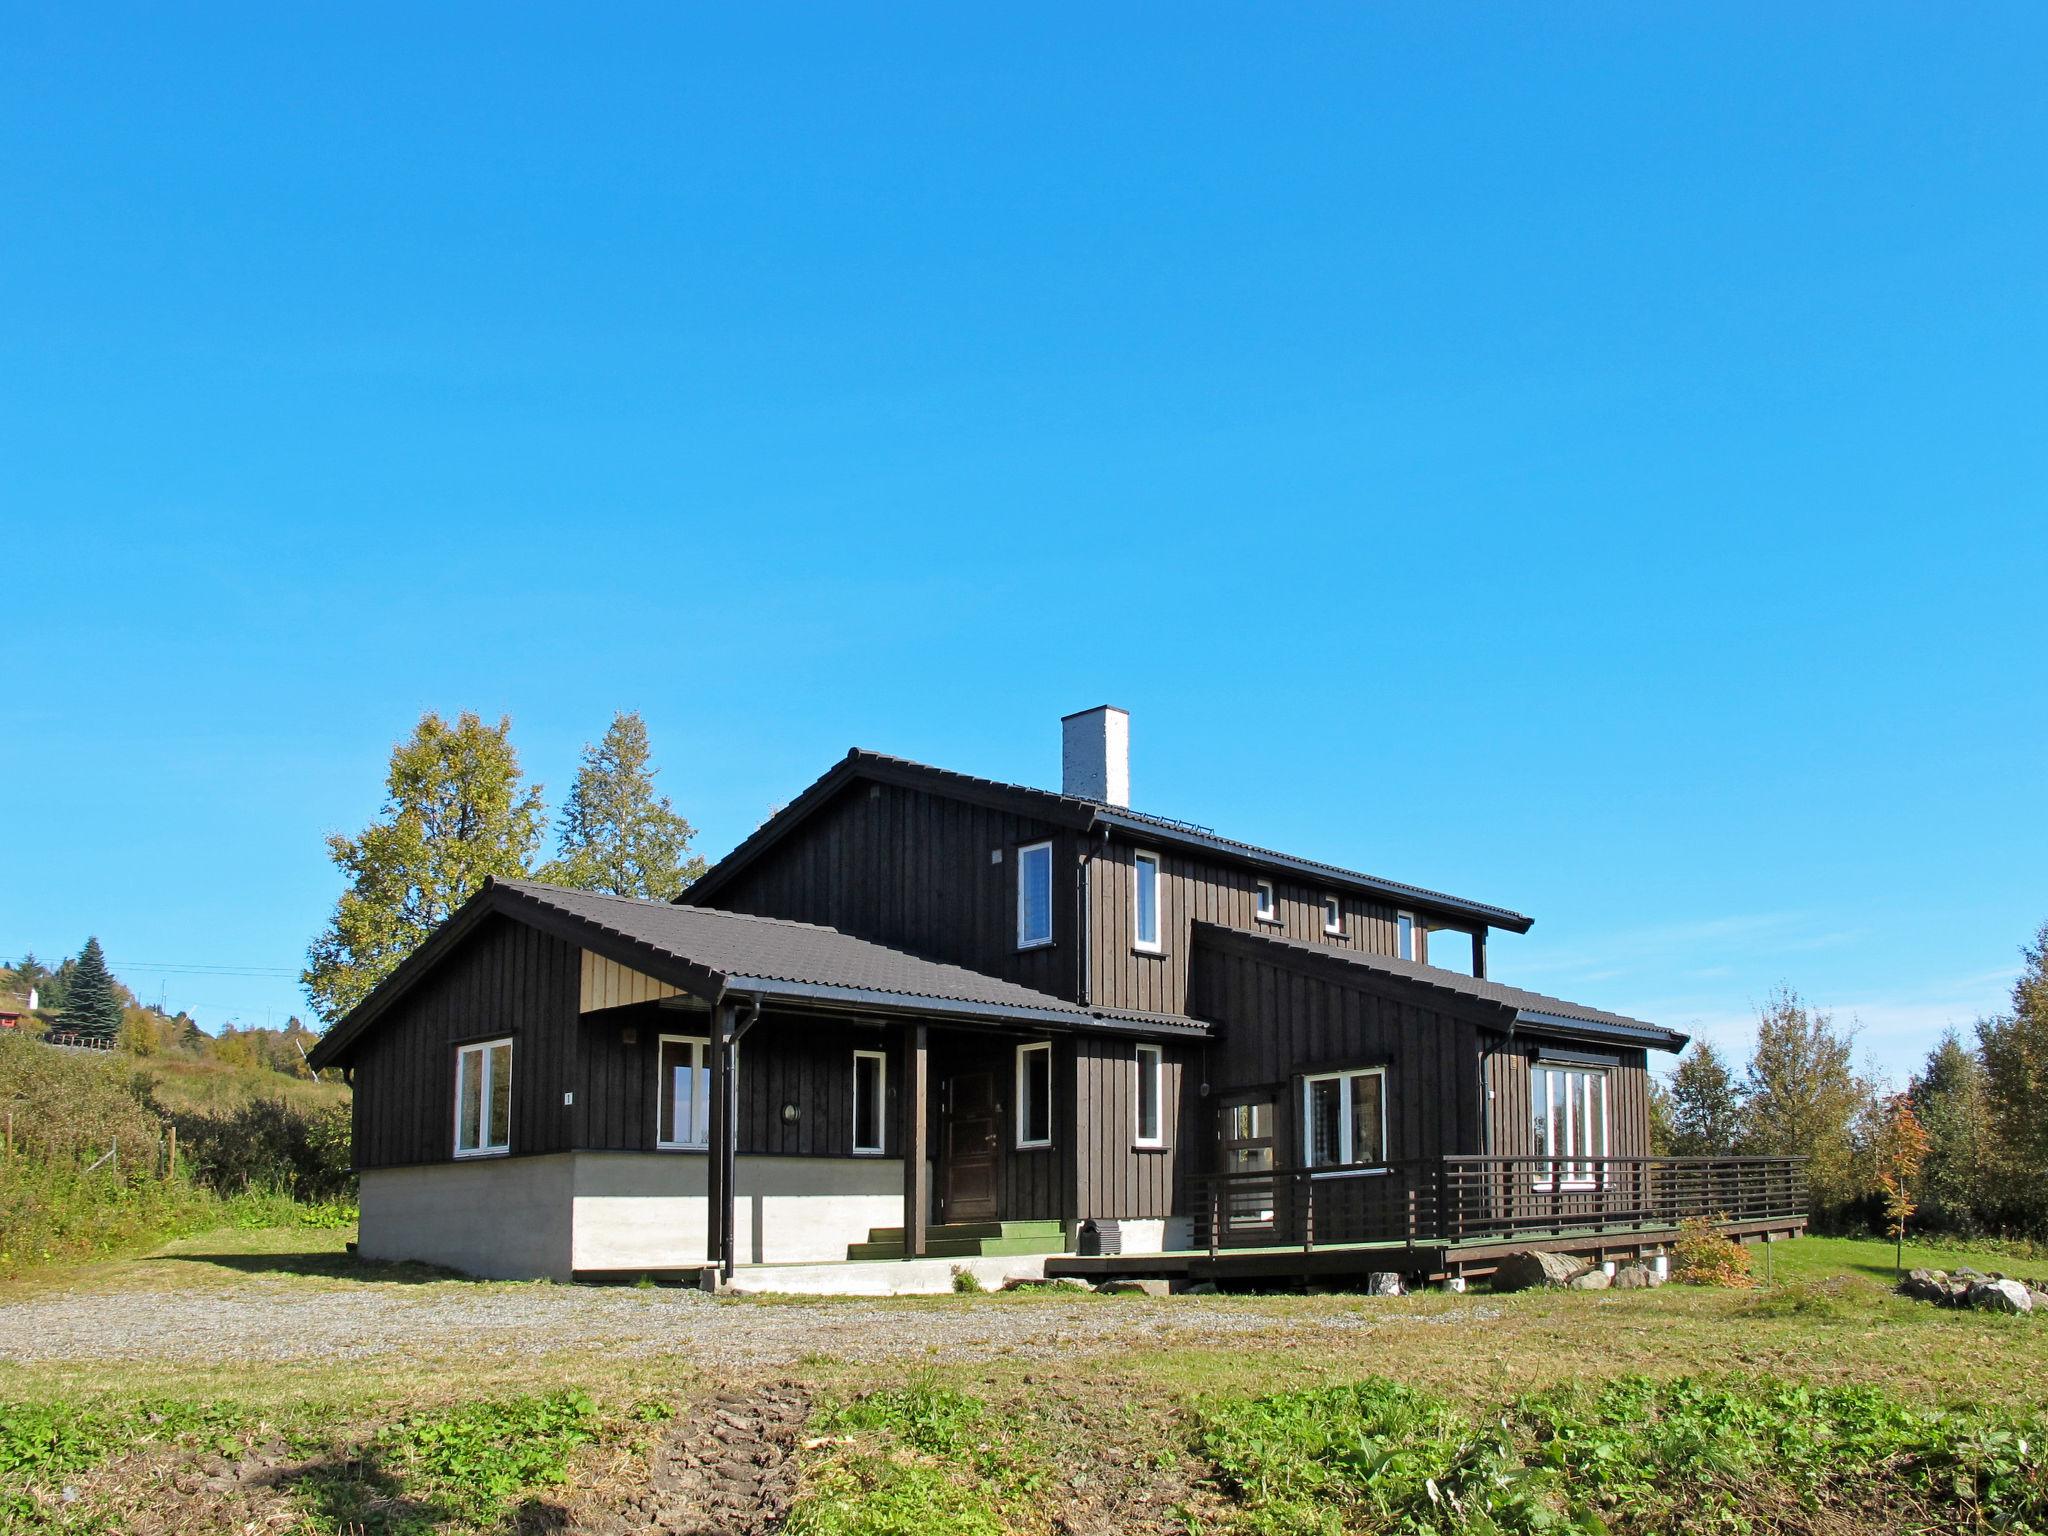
point(727, 1467)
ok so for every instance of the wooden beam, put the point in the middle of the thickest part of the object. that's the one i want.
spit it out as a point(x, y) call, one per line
point(718, 1161)
point(1479, 953)
point(917, 1194)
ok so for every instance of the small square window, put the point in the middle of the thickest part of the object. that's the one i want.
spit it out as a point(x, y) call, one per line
point(1333, 915)
point(1267, 909)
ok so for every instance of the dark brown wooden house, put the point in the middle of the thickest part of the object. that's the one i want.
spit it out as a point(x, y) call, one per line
point(919, 1013)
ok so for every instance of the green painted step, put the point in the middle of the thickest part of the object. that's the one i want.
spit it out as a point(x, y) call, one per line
point(951, 1229)
point(967, 1240)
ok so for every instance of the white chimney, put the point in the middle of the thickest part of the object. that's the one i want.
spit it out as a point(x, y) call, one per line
point(1095, 755)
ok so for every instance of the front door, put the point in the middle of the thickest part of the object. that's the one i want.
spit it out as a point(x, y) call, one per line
point(1244, 1136)
point(970, 1137)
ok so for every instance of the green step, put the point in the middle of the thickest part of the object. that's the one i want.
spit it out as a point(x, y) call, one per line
point(983, 1229)
point(967, 1240)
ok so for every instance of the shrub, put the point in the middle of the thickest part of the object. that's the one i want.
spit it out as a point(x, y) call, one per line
point(1703, 1255)
point(270, 1144)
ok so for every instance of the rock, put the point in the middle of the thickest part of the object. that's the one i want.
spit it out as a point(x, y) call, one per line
point(1591, 1280)
point(1531, 1267)
point(1926, 1284)
point(2001, 1296)
point(1637, 1277)
point(1202, 1288)
point(1135, 1288)
point(1455, 1285)
point(1385, 1283)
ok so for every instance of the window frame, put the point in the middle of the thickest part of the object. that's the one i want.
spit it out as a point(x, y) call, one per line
point(1024, 851)
point(1563, 1169)
point(1023, 1140)
point(662, 1085)
point(485, 1147)
point(881, 1061)
point(1266, 903)
point(1344, 1077)
point(1155, 1067)
point(1333, 915)
point(1406, 930)
point(1157, 944)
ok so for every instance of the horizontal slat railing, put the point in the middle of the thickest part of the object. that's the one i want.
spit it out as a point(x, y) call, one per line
point(1477, 1199)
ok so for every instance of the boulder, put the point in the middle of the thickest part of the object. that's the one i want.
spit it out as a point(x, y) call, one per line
point(1925, 1284)
point(1135, 1288)
point(1531, 1268)
point(1637, 1277)
point(2001, 1296)
point(1385, 1283)
point(2039, 1299)
point(1592, 1280)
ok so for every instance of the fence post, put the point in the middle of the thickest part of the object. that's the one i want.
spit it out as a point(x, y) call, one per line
point(171, 1158)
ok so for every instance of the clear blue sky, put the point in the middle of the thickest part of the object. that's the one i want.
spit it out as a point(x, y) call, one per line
point(1588, 458)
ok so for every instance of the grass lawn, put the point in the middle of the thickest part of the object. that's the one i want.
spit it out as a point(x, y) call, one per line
point(1027, 1412)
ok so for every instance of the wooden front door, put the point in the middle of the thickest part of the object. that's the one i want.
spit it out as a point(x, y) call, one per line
point(971, 1139)
point(1248, 1201)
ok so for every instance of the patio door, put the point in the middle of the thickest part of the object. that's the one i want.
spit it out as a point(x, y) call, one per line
point(970, 1138)
point(1244, 1138)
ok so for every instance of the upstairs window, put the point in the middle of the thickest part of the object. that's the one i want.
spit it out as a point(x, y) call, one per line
point(1568, 1108)
point(1034, 896)
point(483, 1098)
point(1151, 1071)
point(1333, 916)
point(1034, 1095)
point(683, 1092)
point(1404, 936)
point(1344, 1119)
point(1147, 904)
point(1267, 907)
point(870, 1085)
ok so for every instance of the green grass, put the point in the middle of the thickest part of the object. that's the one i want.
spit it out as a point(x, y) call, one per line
point(1823, 1258)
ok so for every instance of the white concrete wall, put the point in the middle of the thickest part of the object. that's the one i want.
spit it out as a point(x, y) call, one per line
point(504, 1218)
point(649, 1210)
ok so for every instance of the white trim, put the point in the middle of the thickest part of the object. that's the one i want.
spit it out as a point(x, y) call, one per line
point(1405, 945)
point(1567, 1151)
point(1156, 1066)
point(1334, 929)
point(1266, 903)
point(881, 1061)
point(700, 1069)
point(485, 1147)
point(1344, 1109)
point(1030, 940)
point(1156, 943)
point(1023, 1140)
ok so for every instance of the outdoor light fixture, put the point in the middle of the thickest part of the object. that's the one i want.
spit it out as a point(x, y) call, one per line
point(790, 1113)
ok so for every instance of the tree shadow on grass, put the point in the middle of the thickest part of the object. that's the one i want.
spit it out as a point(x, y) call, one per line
point(358, 1493)
point(321, 1265)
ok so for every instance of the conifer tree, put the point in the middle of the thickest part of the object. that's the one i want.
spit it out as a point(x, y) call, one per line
point(2015, 1053)
point(1956, 1188)
point(1706, 1105)
point(92, 1000)
point(455, 813)
point(1802, 1097)
point(617, 835)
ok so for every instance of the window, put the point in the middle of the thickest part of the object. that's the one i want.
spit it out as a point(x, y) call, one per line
point(1344, 1119)
point(1404, 936)
point(1333, 915)
point(870, 1083)
point(1568, 1108)
point(483, 1098)
point(1268, 908)
point(684, 1092)
point(1151, 1072)
point(1034, 895)
point(1147, 903)
point(1034, 1095)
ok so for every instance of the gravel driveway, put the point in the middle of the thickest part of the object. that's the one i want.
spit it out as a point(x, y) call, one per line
point(266, 1319)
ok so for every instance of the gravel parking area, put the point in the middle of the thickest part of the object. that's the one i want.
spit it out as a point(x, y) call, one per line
point(265, 1319)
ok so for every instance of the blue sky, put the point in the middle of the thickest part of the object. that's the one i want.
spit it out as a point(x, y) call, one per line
point(1588, 458)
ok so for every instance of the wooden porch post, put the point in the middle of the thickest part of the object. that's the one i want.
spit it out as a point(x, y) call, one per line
point(916, 1182)
point(1479, 953)
point(719, 1155)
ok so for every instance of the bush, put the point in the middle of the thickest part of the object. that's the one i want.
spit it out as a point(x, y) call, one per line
point(1705, 1256)
point(270, 1144)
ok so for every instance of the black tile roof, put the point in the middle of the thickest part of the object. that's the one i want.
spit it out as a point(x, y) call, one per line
point(1053, 805)
point(1535, 1011)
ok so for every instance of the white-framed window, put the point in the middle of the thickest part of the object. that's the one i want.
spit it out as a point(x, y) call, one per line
point(683, 1092)
point(1267, 907)
point(1404, 936)
point(1568, 1114)
point(483, 1099)
point(1145, 869)
point(870, 1094)
point(1333, 915)
point(1344, 1119)
point(1034, 1094)
point(1150, 1110)
point(1034, 895)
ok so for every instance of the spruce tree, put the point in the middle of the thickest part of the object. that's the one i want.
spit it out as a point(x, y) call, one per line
point(456, 812)
point(1706, 1105)
point(92, 1001)
point(1957, 1189)
point(2014, 1047)
point(618, 835)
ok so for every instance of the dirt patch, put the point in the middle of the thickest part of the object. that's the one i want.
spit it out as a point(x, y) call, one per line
point(726, 1467)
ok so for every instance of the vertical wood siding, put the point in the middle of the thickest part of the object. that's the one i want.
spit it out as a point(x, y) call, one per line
point(1508, 1063)
point(906, 867)
point(1114, 1177)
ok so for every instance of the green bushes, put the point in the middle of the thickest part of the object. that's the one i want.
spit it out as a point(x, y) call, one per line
point(270, 1144)
point(1634, 1455)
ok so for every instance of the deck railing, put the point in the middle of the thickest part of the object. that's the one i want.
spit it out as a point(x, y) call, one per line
point(1479, 1199)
